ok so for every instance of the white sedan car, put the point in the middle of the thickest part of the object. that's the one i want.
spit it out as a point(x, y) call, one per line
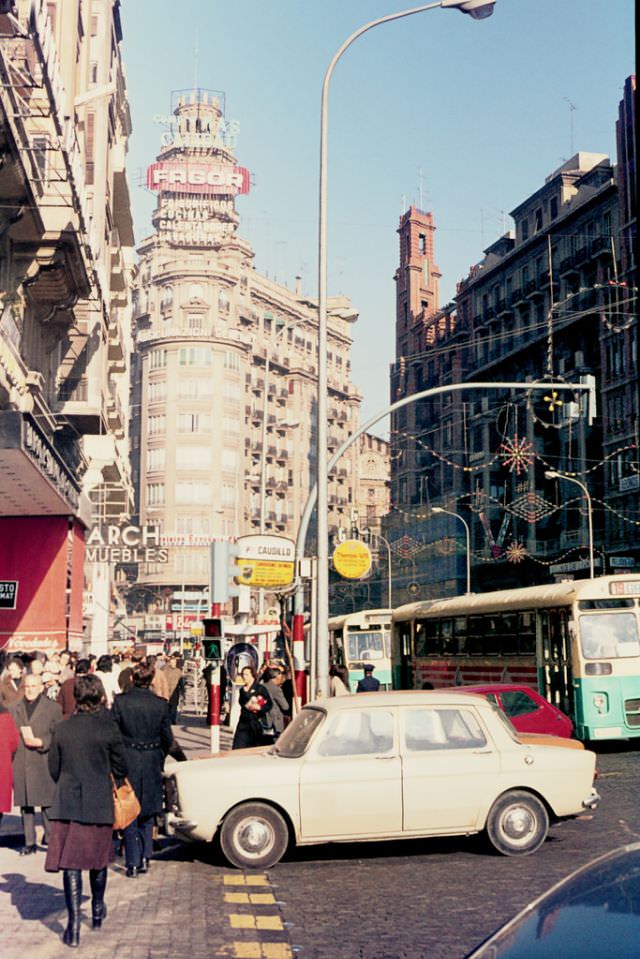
point(383, 765)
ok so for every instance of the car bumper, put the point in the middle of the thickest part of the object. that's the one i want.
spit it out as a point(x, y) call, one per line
point(592, 801)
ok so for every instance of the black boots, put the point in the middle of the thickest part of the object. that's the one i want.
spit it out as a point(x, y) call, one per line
point(72, 882)
point(98, 880)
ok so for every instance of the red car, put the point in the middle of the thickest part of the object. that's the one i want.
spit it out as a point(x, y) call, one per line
point(528, 710)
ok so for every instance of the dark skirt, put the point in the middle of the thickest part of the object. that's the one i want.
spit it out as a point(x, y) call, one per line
point(77, 845)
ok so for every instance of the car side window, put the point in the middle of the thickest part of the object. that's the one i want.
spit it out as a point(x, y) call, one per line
point(355, 732)
point(517, 703)
point(427, 729)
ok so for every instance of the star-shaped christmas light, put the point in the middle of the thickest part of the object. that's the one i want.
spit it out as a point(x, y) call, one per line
point(552, 400)
point(517, 454)
point(515, 552)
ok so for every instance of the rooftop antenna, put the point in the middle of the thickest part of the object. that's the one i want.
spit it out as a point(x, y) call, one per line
point(572, 109)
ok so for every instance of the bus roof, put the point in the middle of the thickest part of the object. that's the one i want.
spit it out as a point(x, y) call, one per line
point(529, 597)
point(362, 616)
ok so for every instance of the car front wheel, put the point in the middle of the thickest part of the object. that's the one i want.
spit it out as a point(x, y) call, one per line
point(517, 824)
point(254, 836)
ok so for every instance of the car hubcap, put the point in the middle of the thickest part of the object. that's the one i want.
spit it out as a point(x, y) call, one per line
point(254, 837)
point(518, 823)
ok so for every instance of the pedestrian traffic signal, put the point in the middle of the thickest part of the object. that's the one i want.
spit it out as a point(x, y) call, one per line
point(223, 571)
point(213, 636)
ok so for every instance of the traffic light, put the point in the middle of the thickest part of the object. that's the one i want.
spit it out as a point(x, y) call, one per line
point(213, 636)
point(223, 571)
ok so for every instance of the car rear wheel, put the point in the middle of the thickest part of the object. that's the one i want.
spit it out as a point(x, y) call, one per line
point(517, 824)
point(254, 836)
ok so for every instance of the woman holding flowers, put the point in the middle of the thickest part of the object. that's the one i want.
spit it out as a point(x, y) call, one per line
point(255, 703)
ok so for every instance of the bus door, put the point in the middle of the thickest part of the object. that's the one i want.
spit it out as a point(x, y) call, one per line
point(554, 658)
point(401, 655)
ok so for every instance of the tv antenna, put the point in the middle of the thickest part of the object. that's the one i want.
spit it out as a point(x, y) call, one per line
point(572, 109)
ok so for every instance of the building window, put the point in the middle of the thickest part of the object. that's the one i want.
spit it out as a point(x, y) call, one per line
point(157, 391)
point(195, 356)
point(193, 524)
point(524, 227)
point(197, 389)
point(194, 322)
point(229, 494)
point(194, 422)
point(231, 361)
point(231, 390)
point(553, 207)
point(422, 243)
point(194, 457)
point(166, 300)
point(229, 460)
point(156, 425)
point(187, 493)
point(155, 459)
point(155, 494)
point(157, 359)
point(538, 220)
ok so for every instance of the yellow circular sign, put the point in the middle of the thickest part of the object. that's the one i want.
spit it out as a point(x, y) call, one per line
point(352, 559)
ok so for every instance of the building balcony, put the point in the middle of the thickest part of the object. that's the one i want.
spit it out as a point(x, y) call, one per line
point(601, 246)
point(517, 296)
point(568, 266)
point(582, 254)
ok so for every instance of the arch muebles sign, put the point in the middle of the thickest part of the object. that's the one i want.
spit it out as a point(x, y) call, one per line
point(265, 562)
point(193, 176)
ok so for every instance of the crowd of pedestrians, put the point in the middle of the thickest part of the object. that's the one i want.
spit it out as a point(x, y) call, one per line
point(70, 729)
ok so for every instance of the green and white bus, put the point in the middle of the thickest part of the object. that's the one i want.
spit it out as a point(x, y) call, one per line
point(577, 643)
point(358, 639)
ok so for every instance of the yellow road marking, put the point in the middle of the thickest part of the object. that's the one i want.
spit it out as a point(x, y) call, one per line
point(241, 920)
point(242, 880)
point(264, 950)
point(255, 898)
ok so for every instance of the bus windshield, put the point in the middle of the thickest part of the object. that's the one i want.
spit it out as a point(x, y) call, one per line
point(365, 645)
point(609, 635)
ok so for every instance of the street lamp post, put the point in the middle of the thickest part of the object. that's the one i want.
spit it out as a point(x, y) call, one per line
point(388, 545)
point(553, 474)
point(449, 512)
point(478, 9)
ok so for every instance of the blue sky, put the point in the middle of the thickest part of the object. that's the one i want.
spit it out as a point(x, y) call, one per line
point(469, 115)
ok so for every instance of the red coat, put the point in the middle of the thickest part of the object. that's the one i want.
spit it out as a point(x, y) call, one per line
point(9, 737)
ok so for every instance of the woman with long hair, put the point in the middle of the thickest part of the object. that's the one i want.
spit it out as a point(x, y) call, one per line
point(86, 751)
point(255, 703)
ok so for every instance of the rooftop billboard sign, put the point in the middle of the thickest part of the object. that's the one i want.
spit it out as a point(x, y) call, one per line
point(191, 176)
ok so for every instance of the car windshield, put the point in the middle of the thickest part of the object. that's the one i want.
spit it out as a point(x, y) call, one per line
point(609, 635)
point(295, 739)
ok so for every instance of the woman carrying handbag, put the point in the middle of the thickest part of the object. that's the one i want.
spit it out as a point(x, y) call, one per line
point(86, 752)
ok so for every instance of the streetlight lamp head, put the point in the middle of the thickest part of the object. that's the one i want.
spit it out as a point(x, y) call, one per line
point(551, 474)
point(478, 9)
point(437, 509)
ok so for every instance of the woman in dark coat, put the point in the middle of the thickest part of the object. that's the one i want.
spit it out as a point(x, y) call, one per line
point(9, 738)
point(255, 702)
point(145, 725)
point(86, 750)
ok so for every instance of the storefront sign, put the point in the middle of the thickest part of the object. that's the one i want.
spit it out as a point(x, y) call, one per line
point(36, 446)
point(352, 559)
point(8, 593)
point(265, 562)
point(125, 544)
point(182, 176)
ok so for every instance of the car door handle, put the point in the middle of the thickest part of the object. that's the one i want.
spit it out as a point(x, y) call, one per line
point(481, 752)
point(385, 759)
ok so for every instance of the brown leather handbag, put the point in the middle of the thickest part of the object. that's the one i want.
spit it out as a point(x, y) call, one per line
point(126, 806)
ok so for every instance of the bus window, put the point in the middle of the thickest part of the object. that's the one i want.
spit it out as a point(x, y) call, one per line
point(460, 633)
point(365, 646)
point(609, 635)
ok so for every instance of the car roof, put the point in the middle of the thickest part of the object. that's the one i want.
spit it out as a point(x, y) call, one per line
point(404, 697)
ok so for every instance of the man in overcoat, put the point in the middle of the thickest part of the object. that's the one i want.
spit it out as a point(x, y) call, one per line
point(32, 782)
point(145, 725)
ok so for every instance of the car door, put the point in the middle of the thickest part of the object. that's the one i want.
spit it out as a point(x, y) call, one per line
point(526, 713)
point(351, 782)
point(450, 768)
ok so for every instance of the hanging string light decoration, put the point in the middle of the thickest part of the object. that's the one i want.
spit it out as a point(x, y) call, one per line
point(515, 552)
point(517, 454)
point(531, 507)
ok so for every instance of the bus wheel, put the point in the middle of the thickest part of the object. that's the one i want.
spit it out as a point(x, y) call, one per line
point(254, 836)
point(517, 824)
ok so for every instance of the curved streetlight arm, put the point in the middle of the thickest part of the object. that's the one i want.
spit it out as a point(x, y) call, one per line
point(450, 512)
point(554, 474)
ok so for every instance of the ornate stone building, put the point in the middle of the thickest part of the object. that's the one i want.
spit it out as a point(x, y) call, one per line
point(66, 259)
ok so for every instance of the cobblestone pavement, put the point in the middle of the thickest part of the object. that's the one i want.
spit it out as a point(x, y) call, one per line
point(428, 899)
